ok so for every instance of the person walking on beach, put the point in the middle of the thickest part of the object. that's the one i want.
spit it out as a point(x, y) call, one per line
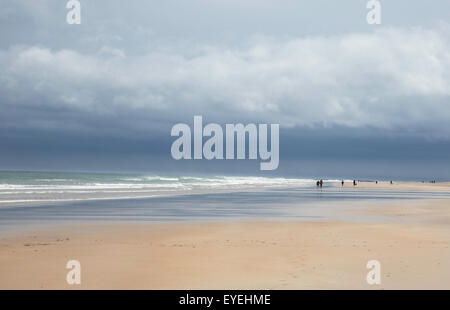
point(342, 182)
point(321, 183)
point(317, 183)
point(354, 182)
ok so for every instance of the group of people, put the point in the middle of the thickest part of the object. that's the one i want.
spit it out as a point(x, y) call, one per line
point(319, 183)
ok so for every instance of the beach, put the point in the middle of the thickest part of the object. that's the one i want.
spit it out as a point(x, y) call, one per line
point(409, 237)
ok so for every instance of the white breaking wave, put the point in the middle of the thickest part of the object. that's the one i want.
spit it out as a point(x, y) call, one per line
point(159, 182)
point(44, 187)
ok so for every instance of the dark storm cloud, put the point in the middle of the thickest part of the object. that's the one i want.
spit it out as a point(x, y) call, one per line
point(345, 80)
point(333, 153)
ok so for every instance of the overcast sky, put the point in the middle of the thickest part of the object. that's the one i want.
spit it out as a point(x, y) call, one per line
point(103, 95)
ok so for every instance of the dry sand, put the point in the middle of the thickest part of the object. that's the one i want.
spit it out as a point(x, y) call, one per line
point(412, 245)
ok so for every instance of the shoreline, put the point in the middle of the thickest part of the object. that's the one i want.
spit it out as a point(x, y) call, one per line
point(55, 195)
point(266, 203)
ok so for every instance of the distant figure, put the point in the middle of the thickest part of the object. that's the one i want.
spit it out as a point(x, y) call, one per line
point(321, 183)
point(376, 182)
point(318, 183)
point(342, 182)
point(392, 182)
point(354, 182)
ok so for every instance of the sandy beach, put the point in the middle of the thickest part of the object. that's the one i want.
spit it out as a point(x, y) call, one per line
point(410, 239)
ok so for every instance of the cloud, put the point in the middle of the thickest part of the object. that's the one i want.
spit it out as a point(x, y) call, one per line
point(391, 78)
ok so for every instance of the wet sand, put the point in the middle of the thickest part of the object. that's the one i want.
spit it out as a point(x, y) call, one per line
point(411, 241)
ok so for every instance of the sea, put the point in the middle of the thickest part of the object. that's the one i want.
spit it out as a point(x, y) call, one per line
point(30, 199)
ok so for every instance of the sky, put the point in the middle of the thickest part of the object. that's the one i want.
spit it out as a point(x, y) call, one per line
point(353, 100)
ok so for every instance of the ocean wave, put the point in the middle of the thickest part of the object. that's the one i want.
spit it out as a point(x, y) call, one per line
point(48, 187)
point(151, 182)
